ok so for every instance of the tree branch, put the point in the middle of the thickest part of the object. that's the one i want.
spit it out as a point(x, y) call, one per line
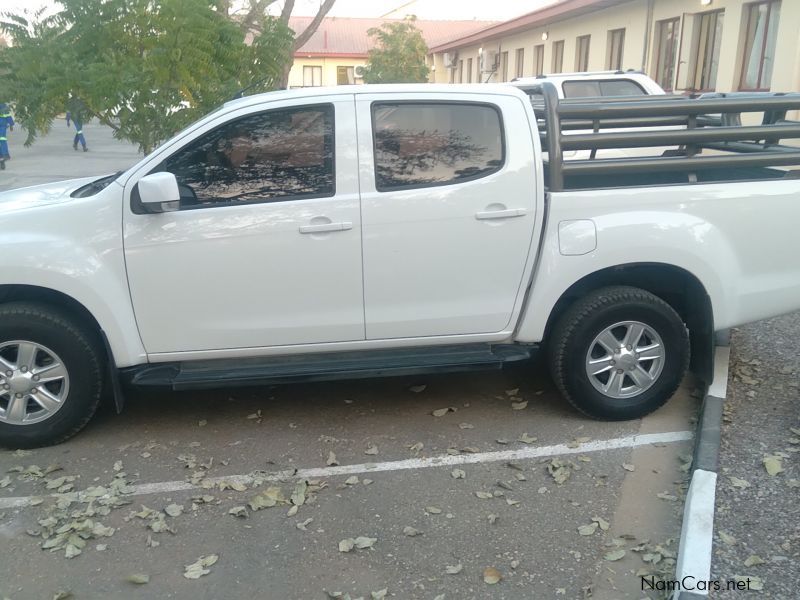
point(301, 39)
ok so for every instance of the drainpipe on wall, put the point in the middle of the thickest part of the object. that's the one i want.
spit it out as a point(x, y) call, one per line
point(648, 28)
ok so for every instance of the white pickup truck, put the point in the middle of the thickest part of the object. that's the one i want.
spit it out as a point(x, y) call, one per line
point(380, 230)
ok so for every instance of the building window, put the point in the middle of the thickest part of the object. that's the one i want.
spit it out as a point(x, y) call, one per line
point(761, 32)
point(558, 56)
point(538, 59)
point(312, 76)
point(460, 71)
point(582, 53)
point(519, 64)
point(427, 144)
point(616, 43)
point(707, 41)
point(504, 66)
point(469, 70)
point(345, 76)
point(667, 32)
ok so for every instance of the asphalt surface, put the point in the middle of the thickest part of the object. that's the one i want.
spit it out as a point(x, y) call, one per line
point(757, 514)
point(234, 445)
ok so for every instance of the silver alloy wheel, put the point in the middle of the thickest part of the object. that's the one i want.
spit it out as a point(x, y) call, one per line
point(33, 383)
point(625, 359)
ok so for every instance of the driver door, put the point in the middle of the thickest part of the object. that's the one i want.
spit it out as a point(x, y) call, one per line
point(266, 247)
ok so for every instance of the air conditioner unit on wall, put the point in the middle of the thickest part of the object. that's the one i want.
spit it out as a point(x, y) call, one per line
point(450, 60)
point(488, 61)
point(359, 72)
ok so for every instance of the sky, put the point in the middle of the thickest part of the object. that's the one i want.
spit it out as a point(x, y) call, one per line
point(493, 10)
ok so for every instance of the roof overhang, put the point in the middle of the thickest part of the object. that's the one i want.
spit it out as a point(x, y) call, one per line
point(561, 11)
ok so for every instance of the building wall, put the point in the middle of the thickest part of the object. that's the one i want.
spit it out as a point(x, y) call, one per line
point(328, 64)
point(639, 18)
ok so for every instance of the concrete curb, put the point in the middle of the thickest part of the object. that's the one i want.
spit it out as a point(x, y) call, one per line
point(697, 532)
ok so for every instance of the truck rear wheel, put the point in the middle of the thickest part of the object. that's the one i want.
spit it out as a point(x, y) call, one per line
point(618, 353)
point(51, 376)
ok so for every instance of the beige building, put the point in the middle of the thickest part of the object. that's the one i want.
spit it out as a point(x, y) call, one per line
point(333, 55)
point(685, 45)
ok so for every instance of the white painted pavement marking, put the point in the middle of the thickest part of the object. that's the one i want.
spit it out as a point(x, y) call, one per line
point(694, 553)
point(527, 453)
point(719, 387)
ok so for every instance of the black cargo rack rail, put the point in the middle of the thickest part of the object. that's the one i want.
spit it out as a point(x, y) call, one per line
point(710, 121)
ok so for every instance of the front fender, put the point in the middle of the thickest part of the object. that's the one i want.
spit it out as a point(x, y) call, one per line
point(75, 248)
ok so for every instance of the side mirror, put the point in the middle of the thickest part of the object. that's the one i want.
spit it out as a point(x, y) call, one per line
point(159, 193)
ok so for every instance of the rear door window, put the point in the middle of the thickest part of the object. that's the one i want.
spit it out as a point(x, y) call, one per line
point(427, 144)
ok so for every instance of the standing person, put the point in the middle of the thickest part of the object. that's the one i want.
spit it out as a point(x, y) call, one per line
point(6, 124)
point(78, 132)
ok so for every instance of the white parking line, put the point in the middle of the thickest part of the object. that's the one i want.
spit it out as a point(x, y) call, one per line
point(631, 441)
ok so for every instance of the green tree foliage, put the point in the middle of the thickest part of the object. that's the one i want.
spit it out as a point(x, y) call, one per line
point(145, 68)
point(399, 55)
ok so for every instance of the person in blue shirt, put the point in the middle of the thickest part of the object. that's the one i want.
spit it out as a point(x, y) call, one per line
point(78, 132)
point(6, 125)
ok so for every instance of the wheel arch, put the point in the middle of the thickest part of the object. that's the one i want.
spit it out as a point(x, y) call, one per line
point(676, 286)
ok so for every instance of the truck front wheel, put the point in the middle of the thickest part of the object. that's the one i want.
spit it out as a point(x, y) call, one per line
point(618, 353)
point(51, 375)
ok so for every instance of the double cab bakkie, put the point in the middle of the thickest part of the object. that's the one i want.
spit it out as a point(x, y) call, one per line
point(319, 234)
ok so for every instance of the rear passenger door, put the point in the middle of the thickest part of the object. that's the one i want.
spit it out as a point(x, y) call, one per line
point(448, 194)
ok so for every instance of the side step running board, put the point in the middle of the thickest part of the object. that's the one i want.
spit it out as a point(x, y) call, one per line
point(325, 366)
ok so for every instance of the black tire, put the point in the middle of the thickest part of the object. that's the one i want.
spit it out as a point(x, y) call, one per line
point(78, 349)
point(572, 337)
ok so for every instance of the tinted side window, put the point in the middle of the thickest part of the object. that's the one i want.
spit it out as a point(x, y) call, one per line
point(580, 89)
point(419, 144)
point(270, 156)
point(621, 87)
point(603, 87)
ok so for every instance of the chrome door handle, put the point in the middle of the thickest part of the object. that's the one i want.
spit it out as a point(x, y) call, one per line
point(325, 227)
point(509, 213)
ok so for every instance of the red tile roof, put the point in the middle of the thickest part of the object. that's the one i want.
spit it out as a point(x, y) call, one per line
point(559, 11)
point(346, 37)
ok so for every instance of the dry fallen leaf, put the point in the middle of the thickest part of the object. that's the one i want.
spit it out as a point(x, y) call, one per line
point(753, 560)
point(519, 405)
point(602, 522)
point(740, 483)
point(174, 510)
point(727, 538)
point(513, 392)
point(353, 480)
point(484, 495)
point(411, 532)
point(466, 426)
point(238, 511)
point(491, 575)
point(199, 568)
point(773, 465)
point(372, 450)
point(526, 439)
point(331, 459)
point(454, 569)
point(440, 412)
point(434, 510)
point(458, 474)
point(628, 467)
point(346, 545)
point(138, 578)
point(615, 555)
point(417, 388)
point(587, 529)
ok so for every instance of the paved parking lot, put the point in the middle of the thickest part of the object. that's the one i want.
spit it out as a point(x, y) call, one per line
point(502, 481)
point(388, 431)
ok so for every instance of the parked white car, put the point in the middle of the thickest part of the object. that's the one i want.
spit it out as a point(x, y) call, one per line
point(595, 84)
point(383, 230)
